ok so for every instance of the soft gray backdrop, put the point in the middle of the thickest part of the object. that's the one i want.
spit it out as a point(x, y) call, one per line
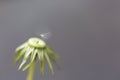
point(86, 33)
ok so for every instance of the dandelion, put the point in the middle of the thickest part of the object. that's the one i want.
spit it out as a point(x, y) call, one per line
point(33, 49)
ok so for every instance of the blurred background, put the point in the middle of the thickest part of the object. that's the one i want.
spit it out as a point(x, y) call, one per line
point(85, 33)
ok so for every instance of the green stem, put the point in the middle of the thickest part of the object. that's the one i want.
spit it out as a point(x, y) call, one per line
point(31, 71)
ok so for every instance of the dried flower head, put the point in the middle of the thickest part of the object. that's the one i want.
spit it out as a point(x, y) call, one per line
point(33, 49)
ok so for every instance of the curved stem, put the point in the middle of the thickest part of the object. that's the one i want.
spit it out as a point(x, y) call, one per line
point(31, 71)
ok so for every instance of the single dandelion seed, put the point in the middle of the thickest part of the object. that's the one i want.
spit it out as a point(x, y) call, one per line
point(46, 35)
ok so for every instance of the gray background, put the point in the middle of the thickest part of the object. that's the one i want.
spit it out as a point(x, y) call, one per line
point(86, 33)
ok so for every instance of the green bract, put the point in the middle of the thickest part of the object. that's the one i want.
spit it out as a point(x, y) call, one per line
point(31, 50)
